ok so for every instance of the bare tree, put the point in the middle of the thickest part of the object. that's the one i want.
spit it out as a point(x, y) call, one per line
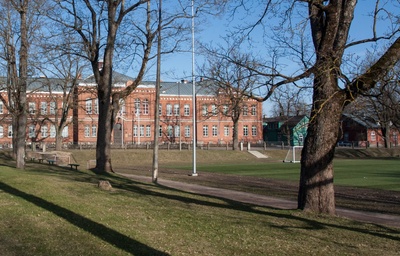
point(381, 106)
point(18, 30)
point(317, 42)
point(229, 75)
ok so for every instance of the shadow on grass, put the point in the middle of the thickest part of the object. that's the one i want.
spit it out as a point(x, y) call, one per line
point(164, 192)
point(106, 234)
point(136, 187)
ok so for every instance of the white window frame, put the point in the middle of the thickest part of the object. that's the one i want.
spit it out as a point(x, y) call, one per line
point(148, 130)
point(187, 131)
point(186, 110)
point(1, 131)
point(214, 130)
point(253, 130)
point(64, 132)
point(205, 130)
point(145, 107)
point(245, 130)
point(176, 110)
point(43, 108)
point(169, 110)
point(226, 130)
point(94, 130)
point(88, 105)
point(52, 108)
point(52, 131)
point(10, 131)
point(44, 131)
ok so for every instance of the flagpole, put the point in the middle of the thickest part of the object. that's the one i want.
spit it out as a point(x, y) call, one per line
point(194, 172)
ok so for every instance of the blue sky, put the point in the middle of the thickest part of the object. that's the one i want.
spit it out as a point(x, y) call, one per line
point(178, 66)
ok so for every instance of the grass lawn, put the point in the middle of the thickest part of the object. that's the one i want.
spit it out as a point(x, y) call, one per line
point(50, 210)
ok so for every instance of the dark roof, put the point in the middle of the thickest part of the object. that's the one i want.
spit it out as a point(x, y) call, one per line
point(287, 120)
point(362, 121)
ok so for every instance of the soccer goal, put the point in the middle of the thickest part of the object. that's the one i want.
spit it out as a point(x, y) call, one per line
point(293, 155)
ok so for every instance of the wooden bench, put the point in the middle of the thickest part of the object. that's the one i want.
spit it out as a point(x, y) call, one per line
point(74, 165)
point(40, 160)
point(50, 161)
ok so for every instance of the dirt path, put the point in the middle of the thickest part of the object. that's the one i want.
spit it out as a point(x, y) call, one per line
point(263, 200)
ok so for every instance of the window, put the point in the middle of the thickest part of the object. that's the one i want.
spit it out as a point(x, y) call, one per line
point(1, 108)
point(88, 106)
point(43, 131)
point(122, 109)
point(1, 131)
point(245, 130)
point(31, 132)
point(141, 130)
point(32, 107)
point(64, 133)
point(52, 108)
point(43, 108)
point(373, 136)
point(205, 130)
point(187, 131)
point(10, 131)
point(177, 131)
point(160, 110)
point(96, 106)
point(137, 106)
point(52, 131)
point(214, 109)
point(169, 110)
point(94, 130)
point(254, 130)
point(135, 131)
point(186, 110)
point(253, 110)
point(204, 110)
point(87, 131)
point(226, 130)
point(245, 110)
point(148, 130)
point(169, 131)
point(214, 131)
point(225, 109)
point(145, 107)
point(176, 109)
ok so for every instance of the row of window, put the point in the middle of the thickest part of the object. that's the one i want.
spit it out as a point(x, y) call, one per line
point(44, 131)
point(45, 108)
point(175, 131)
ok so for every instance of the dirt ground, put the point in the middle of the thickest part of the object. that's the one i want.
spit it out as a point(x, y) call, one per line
point(346, 197)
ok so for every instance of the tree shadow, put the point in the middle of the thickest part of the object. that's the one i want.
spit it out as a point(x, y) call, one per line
point(106, 234)
point(165, 192)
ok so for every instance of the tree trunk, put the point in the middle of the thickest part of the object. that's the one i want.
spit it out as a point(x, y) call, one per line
point(235, 135)
point(103, 147)
point(22, 85)
point(316, 190)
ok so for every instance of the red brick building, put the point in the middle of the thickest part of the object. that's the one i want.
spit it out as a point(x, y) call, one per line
point(135, 122)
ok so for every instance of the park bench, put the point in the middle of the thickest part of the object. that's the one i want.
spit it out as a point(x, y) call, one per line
point(74, 165)
point(51, 161)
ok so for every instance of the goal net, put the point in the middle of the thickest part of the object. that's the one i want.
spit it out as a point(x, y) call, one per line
point(293, 155)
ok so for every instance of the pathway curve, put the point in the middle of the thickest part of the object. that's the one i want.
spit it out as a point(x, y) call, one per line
point(244, 197)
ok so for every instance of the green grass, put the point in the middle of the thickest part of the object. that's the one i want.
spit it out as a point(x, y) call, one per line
point(48, 210)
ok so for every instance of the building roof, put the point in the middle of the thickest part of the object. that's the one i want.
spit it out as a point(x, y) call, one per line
point(362, 121)
point(287, 120)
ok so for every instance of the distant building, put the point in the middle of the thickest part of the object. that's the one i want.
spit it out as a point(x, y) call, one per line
point(360, 132)
point(289, 130)
point(135, 121)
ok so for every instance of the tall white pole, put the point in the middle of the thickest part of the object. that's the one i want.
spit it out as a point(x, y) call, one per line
point(194, 173)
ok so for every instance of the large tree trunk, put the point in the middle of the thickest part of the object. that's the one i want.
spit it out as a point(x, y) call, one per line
point(22, 85)
point(235, 135)
point(316, 190)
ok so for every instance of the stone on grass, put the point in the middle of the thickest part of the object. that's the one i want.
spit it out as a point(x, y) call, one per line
point(104, 185)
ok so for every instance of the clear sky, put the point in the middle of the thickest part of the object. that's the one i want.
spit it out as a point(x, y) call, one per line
point(179, 65)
